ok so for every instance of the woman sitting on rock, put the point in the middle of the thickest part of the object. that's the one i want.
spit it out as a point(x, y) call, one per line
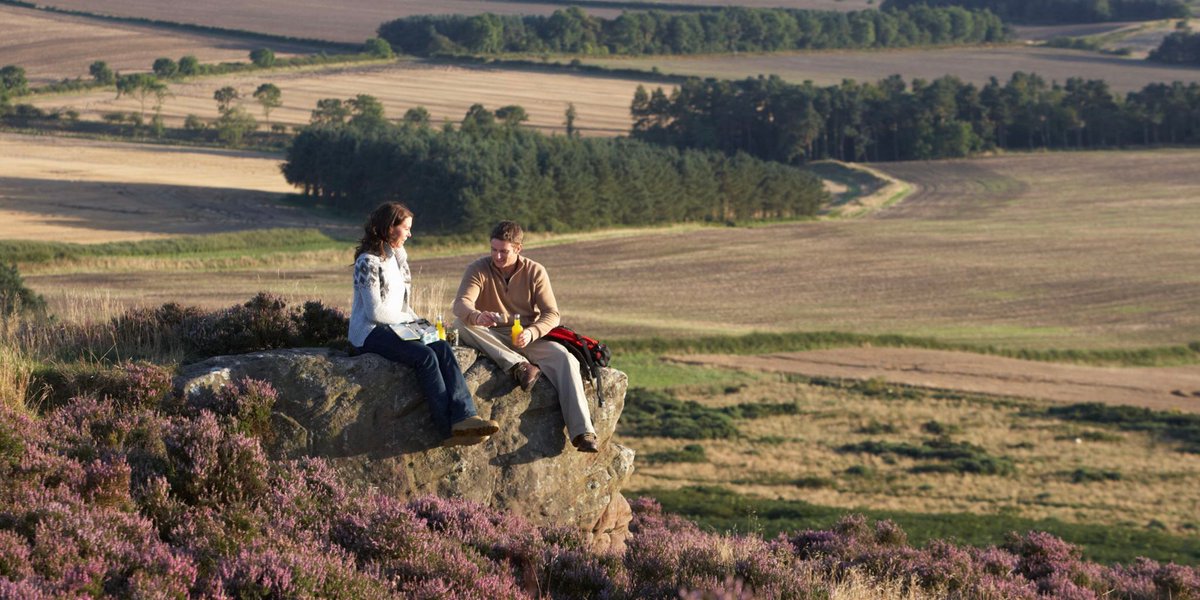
point(381, 309)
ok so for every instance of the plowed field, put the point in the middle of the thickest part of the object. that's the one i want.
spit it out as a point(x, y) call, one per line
point(51, 47)
point(975, 65)
point(349, 21)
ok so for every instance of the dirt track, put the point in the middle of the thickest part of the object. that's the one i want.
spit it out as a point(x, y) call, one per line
point(1174, 388)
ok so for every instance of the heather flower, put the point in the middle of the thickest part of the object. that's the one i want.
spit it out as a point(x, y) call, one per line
point(14, 556)
point(212, 467)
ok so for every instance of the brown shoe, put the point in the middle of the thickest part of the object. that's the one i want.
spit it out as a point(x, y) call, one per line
point(526, 374)
point(474, 426)
point(585, 442)
point(464, 440)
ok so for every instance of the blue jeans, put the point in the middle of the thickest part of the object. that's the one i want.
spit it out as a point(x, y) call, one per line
point(441, 379)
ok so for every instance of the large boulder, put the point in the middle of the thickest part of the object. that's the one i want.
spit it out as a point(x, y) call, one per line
point(367, 416)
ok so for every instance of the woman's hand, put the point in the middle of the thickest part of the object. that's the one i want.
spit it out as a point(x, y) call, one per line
point(523, 339)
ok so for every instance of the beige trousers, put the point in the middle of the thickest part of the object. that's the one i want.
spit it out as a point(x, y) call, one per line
point(556, 363)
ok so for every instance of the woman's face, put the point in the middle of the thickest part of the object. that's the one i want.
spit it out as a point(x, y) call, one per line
point(400, 232)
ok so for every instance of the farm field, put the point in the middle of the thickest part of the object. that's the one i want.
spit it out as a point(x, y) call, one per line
point(83, 191)
point(1041, 251)
point(973, 64)
point(51, 47)
point(351, 21)
point(446, 90)
point(1157, 388)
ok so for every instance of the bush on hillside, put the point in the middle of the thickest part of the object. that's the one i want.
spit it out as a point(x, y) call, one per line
point(14, 296)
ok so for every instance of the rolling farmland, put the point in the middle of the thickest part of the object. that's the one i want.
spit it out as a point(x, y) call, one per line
point(447, 91)
point(1026, 250)
point(53, 47)
point(974, 64)
point(352, 22)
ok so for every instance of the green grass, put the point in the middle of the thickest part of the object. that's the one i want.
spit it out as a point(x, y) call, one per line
point(650, 371)
point(239, 243)
point(718, 509)
point(762, 343)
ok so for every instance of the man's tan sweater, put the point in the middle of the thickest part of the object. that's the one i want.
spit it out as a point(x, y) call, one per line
point(527, 293)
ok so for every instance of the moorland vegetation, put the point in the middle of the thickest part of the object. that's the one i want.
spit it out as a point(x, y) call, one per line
point(894, 120)
point(731, 29)
point(115, 487)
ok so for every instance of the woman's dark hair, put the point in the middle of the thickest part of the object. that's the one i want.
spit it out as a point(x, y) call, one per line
point(375, 230)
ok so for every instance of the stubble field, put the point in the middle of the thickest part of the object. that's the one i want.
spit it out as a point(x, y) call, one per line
point(971, 64)
point(1026, 250)
point(53, 47)
point(446, 91)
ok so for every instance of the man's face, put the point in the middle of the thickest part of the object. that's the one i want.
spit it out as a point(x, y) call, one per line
point(504, 254)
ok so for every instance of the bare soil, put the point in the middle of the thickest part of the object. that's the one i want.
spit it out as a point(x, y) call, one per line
point(1171, 388)
point(446, 91)
point(51, 47)
point(972, 64)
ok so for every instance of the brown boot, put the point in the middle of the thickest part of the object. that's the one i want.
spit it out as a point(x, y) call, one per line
point(526, 374)
point(474, 426)
point(585, 442)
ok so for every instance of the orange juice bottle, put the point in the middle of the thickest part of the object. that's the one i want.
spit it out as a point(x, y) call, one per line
point(516, 328)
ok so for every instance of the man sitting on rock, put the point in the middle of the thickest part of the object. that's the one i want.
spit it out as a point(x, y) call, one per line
point(504, 285)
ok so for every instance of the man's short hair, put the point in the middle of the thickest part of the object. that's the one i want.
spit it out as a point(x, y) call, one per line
point(508, 231)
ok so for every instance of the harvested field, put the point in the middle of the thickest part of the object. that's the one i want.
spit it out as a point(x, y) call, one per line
point(1162, 389)
point(447, 91)
point(60, 189)
point(974, 64)
point(1049, 250)
point(51, 47)
point(351, 21)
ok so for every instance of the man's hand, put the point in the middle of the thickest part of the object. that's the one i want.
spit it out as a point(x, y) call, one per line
point(523, 339)
point(488, 319)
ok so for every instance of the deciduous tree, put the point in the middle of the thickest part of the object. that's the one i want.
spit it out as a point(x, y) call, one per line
point(269, 97)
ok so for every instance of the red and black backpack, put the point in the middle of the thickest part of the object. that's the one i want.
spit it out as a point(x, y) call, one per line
point(592, 354)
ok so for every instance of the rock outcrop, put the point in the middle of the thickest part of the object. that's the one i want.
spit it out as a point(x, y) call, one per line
point(367, 416)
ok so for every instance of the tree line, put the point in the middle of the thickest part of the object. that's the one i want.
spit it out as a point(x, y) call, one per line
point(731, 29)
point(461, 179)
point(893, 120)
point(1180, 48)
point(1061, 11)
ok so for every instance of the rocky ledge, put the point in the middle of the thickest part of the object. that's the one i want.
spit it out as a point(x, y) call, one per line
point(367, 416)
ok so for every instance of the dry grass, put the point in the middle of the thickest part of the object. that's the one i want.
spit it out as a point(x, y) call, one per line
point(1156, 481)
point(52, 47)
point(974, 64)
point(601, 103)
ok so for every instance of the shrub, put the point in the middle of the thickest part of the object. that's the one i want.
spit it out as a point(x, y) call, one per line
point(653, 413)
point(957, 457)
point(691, 453)
point(262, 57)
point(14, 296)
